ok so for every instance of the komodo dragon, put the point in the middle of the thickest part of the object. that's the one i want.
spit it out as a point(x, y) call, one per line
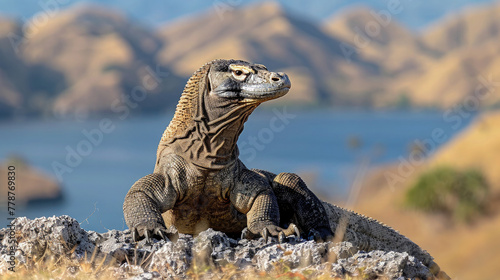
point(199, 182)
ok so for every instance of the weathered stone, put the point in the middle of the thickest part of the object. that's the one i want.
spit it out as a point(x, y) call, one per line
point(59, 235)
point(63, 237)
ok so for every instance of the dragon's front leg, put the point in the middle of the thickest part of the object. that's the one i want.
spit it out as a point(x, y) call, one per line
point(253, 196)
point(144, 203)
point(299, 205)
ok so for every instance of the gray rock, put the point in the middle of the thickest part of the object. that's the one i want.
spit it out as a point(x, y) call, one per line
point(173, 259)
point(53, 236)
point(162, 259)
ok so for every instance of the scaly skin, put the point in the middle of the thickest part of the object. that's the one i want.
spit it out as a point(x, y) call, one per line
point(199, 182)
point(369, 234)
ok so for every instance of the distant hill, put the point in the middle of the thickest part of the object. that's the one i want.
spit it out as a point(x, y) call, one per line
point(387, 43)
point(477, 147)
point(398, 51)
point(470, 28)
point(12, 71)
point(442, 67)
point(17, 79)
point(32, 185)
point(464, 151)
point(90, 60)
point(105, 58)
point(87, 60)
point(466, 50)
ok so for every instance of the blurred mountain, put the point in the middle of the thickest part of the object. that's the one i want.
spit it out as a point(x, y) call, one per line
point(83, 61)
point(12, 71)
point(386, 43)
point(451, 63)
point(91, 60)
point(267, 34)
point(470, 28)
point(464, 70)
point(106, 59)
point(24, 89)
point(466, 64)
point(379, 38)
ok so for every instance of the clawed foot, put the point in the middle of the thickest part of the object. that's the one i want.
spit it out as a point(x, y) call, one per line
point(274, 231)
point(157, 231)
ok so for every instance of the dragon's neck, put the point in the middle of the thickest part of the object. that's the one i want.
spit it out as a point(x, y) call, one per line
point(210, 141)
point(205, 131)
point(221, 132)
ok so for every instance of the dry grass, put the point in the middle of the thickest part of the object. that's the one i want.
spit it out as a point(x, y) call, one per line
point(92, 267)
point(55, 266)
point(99, 266)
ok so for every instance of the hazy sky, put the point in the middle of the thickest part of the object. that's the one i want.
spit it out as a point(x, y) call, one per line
point(415, 13)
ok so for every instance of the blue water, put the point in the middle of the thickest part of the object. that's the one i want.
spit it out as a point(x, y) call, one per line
point(313, 143)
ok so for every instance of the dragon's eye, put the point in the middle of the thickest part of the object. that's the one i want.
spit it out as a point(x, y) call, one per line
point(239, 75)
point(240, 72)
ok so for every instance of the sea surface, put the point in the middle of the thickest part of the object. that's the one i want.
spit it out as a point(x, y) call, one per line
point(325, 147)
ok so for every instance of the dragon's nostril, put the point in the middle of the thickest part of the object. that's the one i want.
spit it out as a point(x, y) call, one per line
point(275, 77)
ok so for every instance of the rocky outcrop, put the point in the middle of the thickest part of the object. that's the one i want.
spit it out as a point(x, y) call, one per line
point(211, 252)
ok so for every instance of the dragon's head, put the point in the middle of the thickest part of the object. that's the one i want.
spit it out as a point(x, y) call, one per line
point(213, 107)
point(243, 81)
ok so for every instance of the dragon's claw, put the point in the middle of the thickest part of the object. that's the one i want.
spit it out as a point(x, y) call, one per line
point(272, 231)
point(265, 234)
point(158, 231)
point(281, 237)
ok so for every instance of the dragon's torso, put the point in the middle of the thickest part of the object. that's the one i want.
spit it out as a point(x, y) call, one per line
point(203, 196)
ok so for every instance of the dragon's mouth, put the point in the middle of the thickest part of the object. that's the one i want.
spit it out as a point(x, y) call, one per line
point(277, 88)
point(268, 94)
